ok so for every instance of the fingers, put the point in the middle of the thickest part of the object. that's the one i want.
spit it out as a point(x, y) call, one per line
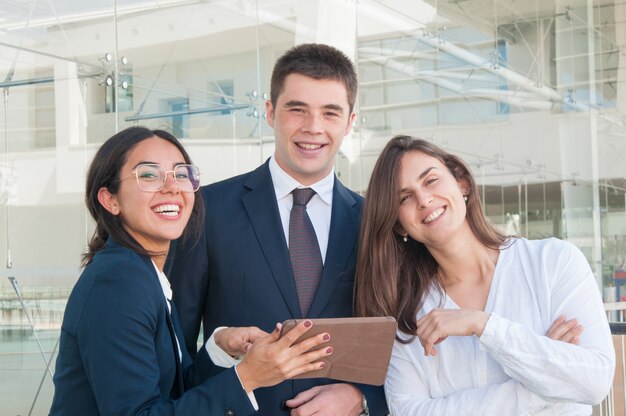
point(276, 332)
point(565, 330)
point(575, 335)
point(303, 397)
point(554, 328)
point(440, 340)
point(428, 332)
point(310, 366)
point(438, 324)
point(255, 334)
point(305, 357)
point(311, 342)
point(292, 336)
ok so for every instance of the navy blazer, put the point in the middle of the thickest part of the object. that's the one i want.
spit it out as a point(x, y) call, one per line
point(239, 273)
point(118, 354)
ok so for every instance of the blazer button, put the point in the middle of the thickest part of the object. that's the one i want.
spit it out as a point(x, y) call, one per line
point(229, 413)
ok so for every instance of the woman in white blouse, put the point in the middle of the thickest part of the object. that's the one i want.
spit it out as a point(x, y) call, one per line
point(488, 325)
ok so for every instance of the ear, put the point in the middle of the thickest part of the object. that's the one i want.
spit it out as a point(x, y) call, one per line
point(108, 201)
point(350, 123)
point(465, 189)
point(269, 113)
point(398, 229)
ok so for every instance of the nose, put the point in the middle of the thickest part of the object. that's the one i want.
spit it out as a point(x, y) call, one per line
point(313, 123)
point(424, 199)
point(171, 184)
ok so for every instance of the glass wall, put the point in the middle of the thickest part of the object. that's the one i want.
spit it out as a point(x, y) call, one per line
point(532, 94)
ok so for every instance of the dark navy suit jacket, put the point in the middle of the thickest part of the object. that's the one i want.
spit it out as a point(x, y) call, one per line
point(239, 273)
point(118, 355)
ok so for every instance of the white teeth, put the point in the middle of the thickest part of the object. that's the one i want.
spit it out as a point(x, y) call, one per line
point(169, 210)
point(434, 215)
point(309, 146)
point(169, 214)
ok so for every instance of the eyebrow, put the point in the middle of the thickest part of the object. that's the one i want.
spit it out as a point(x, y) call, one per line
point(426, 172)
point(296, 103)
point(147, 162)
point(421, 176)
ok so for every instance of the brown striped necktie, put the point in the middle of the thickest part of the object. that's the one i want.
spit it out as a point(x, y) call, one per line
point(304, 250)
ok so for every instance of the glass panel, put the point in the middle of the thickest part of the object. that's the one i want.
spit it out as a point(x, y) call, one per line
point(525, 92)
point(284, 24)
point(53, 74)
point(530, 94)
point(195, 74)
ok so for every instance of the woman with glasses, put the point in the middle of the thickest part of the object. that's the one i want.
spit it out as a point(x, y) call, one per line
point(121, 350)
point(488, 324)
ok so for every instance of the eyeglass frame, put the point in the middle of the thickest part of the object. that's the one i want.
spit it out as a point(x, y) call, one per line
point(173, 172)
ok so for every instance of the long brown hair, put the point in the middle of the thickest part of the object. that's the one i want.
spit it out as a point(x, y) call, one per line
point(104, 171)
point(393, 276)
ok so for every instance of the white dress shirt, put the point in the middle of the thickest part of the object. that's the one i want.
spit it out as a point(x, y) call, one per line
point(514, 369)
point(319, 208)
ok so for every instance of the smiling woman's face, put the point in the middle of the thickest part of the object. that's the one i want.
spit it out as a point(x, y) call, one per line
point(432, 208)
point(153, 219)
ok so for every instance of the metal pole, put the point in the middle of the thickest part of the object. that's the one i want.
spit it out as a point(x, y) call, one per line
point(32, 406)
point(19, 295)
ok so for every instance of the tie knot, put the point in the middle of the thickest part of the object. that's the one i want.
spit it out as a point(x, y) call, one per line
point(302, 196)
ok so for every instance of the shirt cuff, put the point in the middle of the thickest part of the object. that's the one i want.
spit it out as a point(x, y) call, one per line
point(493, 339)
point(250, 394)
point(219, 357)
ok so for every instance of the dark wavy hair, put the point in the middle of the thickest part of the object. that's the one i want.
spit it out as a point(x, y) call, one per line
point(104, 171)
point(392, 277)
point(317, 61)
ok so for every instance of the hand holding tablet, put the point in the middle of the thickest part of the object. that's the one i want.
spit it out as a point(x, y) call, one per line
point(361, 348)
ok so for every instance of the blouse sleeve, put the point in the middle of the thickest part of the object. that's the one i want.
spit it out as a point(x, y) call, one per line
point(408, 395)
point(557, 370)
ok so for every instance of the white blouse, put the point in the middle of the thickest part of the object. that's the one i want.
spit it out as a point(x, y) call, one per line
point(513, 368)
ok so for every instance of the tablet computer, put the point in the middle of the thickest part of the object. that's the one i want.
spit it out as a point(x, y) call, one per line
point(361, 347)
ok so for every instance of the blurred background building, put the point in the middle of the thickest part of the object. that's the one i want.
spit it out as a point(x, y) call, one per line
point(531, 93)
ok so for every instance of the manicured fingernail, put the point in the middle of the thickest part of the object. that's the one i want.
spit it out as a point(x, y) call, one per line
point(329, 350)
point(322, 365)
point(307, 324)
point(326, 337)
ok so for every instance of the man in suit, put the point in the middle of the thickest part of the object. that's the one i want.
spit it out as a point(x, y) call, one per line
point(240, 274)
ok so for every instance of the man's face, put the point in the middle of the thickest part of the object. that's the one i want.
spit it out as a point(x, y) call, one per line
point(310, 121)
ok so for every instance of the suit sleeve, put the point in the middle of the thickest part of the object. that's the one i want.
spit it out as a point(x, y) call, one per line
point(117, 337)
point(188, 272)
point(375, 396)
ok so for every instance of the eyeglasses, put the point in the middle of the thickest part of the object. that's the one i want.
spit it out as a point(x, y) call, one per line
point(152, 177)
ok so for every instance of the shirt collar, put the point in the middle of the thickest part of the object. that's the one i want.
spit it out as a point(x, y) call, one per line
point(284, 184)
point(165, 284)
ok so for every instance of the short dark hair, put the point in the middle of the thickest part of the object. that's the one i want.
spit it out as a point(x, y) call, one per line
point(317, 61)
point(104, 171)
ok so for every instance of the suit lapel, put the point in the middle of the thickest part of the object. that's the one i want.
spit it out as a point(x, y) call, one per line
point(344, 225)
point(262, 208)
point(179, 383)
point(179, 386)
